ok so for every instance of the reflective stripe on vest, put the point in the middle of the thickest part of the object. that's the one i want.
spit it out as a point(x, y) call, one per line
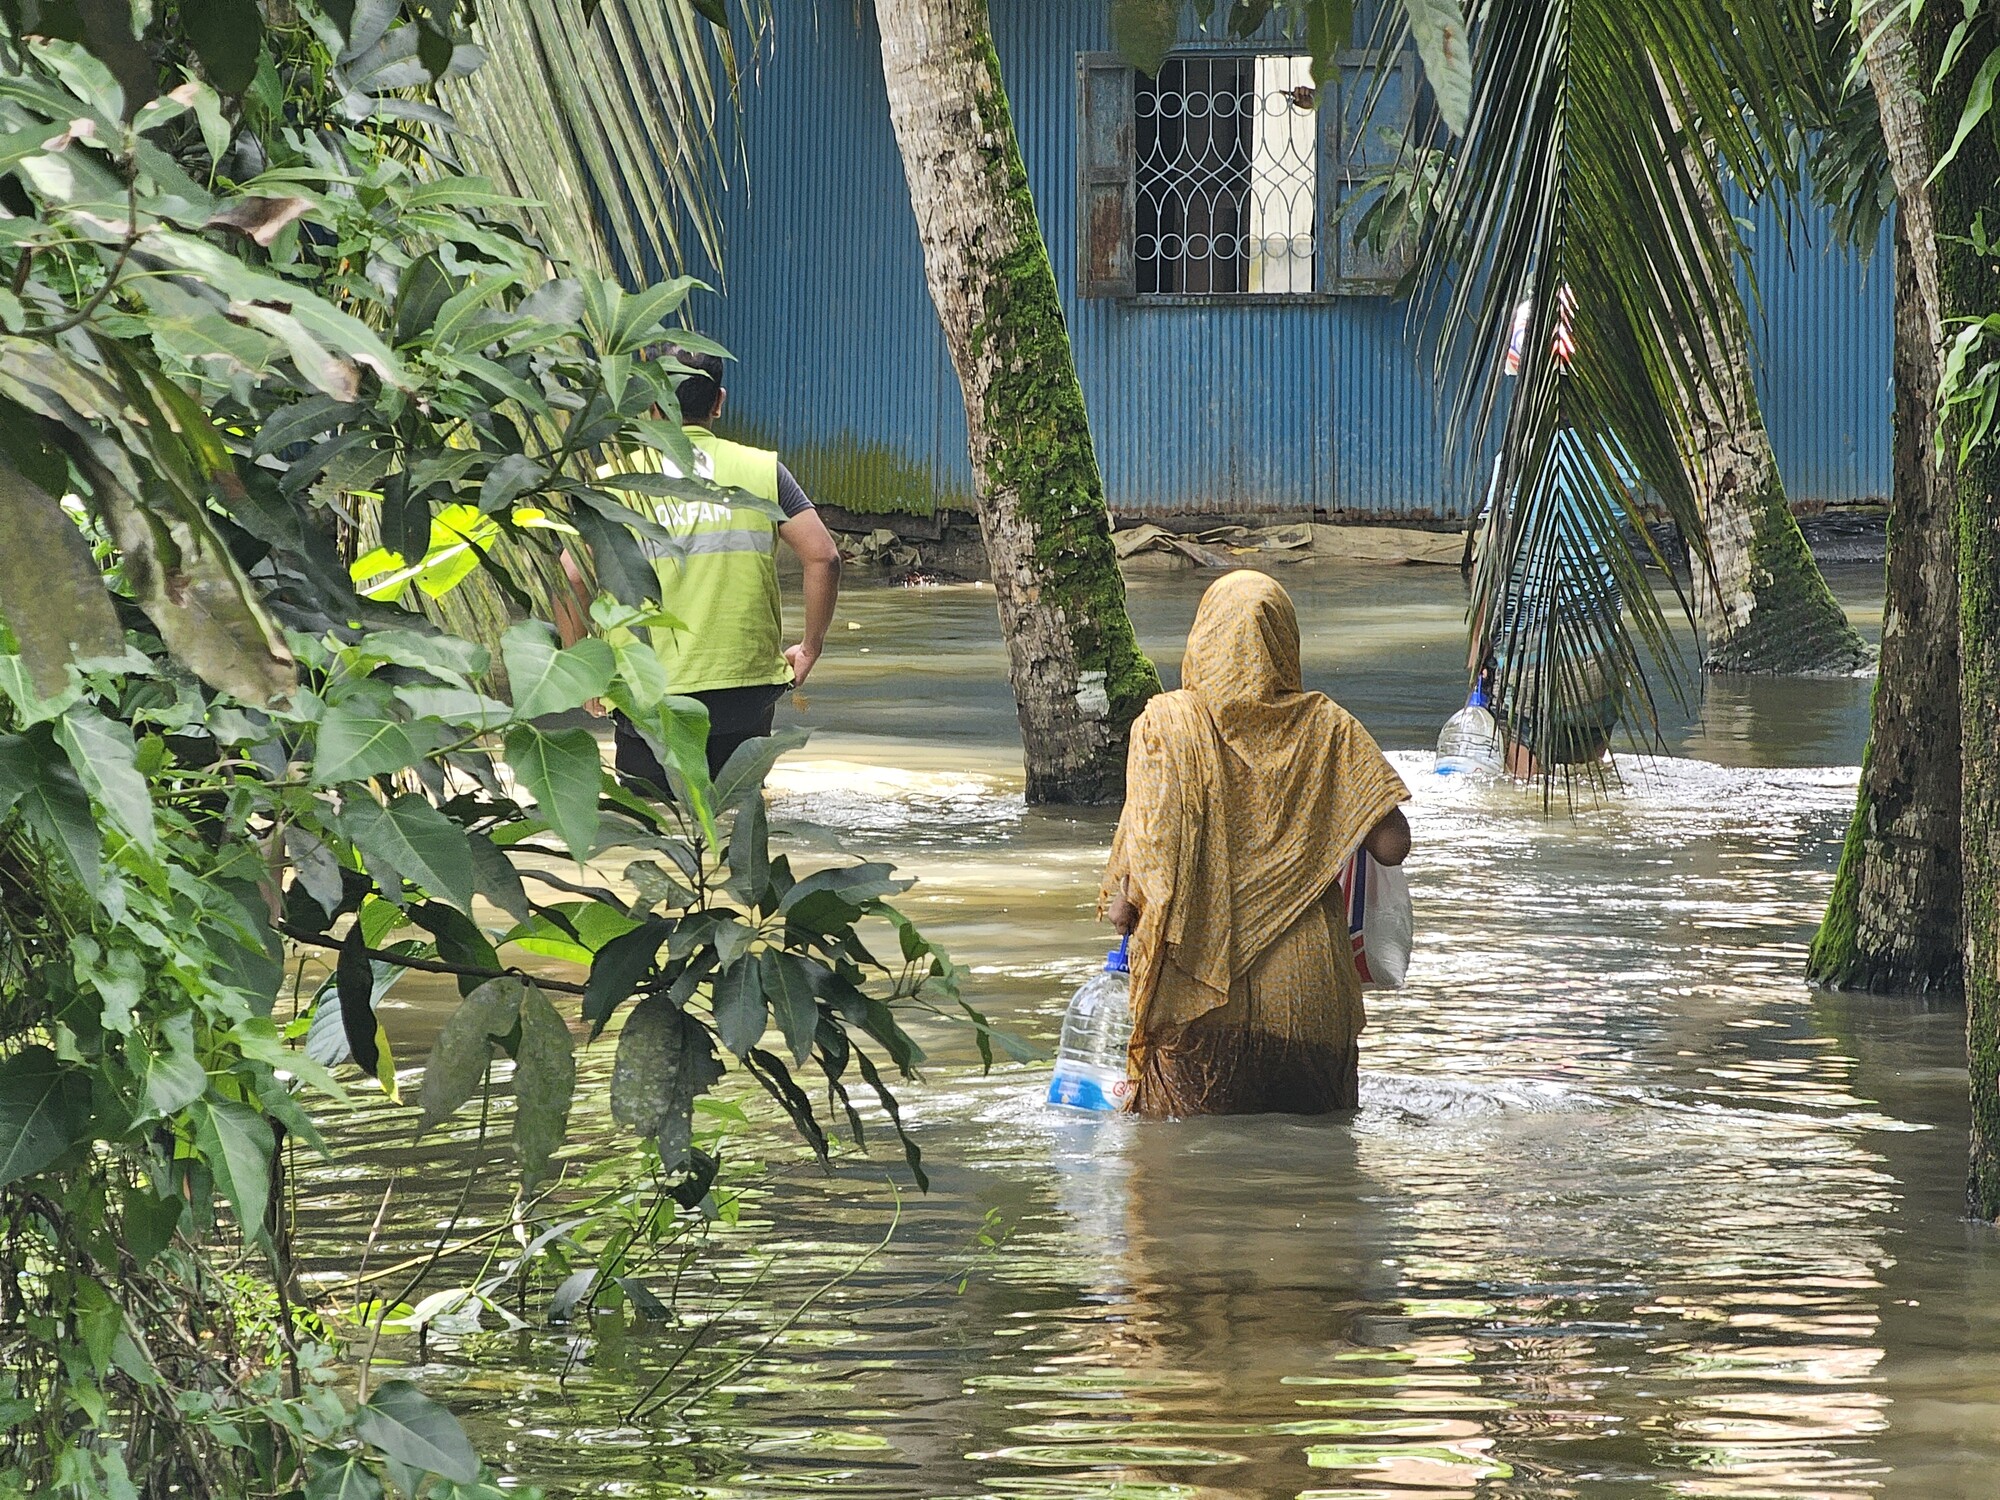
point(723, 583)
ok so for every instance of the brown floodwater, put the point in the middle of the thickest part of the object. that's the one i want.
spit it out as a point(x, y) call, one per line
point(1627, 1210)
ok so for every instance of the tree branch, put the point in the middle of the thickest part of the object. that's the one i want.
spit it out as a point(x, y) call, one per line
point(430, 965)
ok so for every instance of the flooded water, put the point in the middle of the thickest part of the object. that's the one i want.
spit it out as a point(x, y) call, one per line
point(1627, 1209)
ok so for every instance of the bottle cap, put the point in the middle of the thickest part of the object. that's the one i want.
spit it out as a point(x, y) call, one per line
point(1478, 698)
point(1118, 963)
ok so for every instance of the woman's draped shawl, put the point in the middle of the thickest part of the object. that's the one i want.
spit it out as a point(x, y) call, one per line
point(1244, 798)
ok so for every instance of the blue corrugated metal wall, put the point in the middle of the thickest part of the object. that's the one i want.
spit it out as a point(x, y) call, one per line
point(1224, 407)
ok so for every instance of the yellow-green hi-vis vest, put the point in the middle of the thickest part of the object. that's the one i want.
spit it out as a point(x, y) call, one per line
point(723, 588)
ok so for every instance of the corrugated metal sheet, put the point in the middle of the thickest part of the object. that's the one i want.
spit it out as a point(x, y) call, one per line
point(1218, 407)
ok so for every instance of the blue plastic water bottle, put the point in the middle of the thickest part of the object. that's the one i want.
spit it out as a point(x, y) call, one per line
point(1090, 1061)
point(1469, 744)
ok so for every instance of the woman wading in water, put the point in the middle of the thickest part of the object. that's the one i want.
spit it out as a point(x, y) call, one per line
point(1245, 796)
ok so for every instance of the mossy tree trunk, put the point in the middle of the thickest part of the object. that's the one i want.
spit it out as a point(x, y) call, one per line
point(1078, 674)
point(1966, 191)
point(1764, 607)
point(1893, 920)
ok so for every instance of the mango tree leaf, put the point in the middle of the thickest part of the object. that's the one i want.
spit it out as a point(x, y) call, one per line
point(788, 988)
point(106, 759)
point(750, 763)
point(236, 1142)
point(228, 37)
point(544, 1085)
point(564, 773)
point(404, 1424)
point(495, 878)
point(464, 1047)
point(676, 729)
point(664, 1060)
point(740, 1010)
point(44, 1110)
point(545, 680)
point(1438, 28)
point(411, 838)
point(354, 986)
point(51, 590)
point(616, 970)
point(355, 744)
point(749, 853)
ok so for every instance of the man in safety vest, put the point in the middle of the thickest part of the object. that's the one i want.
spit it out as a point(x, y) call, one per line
point(723, 585)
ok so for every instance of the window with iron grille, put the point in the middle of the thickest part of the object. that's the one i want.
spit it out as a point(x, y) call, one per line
point(1232, 174)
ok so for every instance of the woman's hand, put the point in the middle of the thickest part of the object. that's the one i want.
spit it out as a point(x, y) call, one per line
point(1123, 914)
point(1388, 842)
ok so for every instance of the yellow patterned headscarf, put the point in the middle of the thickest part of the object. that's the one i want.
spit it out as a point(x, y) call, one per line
point(1245, 795)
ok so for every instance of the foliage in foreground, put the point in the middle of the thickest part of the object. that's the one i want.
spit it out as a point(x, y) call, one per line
point(250, 312)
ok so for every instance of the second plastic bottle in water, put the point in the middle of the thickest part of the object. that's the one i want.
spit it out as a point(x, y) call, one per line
point(1090, 1062)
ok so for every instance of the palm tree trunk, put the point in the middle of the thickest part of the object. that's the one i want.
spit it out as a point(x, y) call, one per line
point(1965, 192)
point(1078, 674)
point(1764, 607)
point(1893, 920)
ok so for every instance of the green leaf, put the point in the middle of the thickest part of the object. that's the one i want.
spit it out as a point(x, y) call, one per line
point(105, 757)
point(1439, 31)
point(44, 1110)
point(51, 800)
point(544, 1085)
point(169, 1074)
point(1978, 105)
point(411, 838)
point(350, 1479)
point(228, 37)
point(677, 731)
point(51, 589)
point(564, 773)
point(545, 680)
point(403, 1423)
point(495, 878)
point(788, 986)
point(750, 763)
point(740, 1010)
point(664, 1060)
point(147, 1222)
point(1144, 31)
point(354, 745)
point(236, 1142)
point(617, 969)
point(749, 853)
point(354, 984)
point(464, 1048)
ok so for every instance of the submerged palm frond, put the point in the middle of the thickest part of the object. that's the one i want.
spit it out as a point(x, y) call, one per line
point(608, 118)
point(1603, 138)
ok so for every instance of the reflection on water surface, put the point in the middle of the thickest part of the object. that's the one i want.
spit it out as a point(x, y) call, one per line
point(1627, 1210)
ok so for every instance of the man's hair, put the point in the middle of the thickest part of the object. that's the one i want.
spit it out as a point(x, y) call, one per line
point(697, 391)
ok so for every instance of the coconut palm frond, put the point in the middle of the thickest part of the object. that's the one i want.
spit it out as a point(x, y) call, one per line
point(1603, 139)
point(607, 118)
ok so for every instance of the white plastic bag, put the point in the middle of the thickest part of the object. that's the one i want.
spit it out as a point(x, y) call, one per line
point(1380, 923)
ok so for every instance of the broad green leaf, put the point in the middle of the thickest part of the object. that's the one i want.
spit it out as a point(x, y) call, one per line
point(664, 1060)
point(495, 878)
point(788, 988)
point(545, 680)
point(564, 773)
point(236, 1143)
point(750, 763)
point(1144, 31)
point(354, 744)
point(350, 1479)
point(51, 590)
point(326, 1033)
point(52, 801)
point(169, 1075)
point(147, 1222)
point(44, 1110)
point(740, 1009)
point(411, 838)
point(1439, 31)
point(354, 986)
point(616, 970)
point(749, 853)
point(106, 759)
point(544, 1084)
point(464, 1048)
point(677, 731)
point(403, 1423)
point(228, 37)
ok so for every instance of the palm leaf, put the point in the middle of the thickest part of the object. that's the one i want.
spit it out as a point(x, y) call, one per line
point(606, 117)
point(1603, 137)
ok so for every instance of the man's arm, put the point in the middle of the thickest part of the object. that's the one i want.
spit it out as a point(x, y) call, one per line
point(1388, 842)
point(806, 534)
point(572, 612)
